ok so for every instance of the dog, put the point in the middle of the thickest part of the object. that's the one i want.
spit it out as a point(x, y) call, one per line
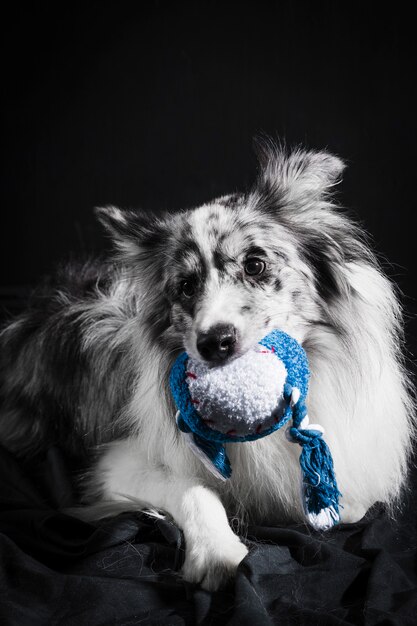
point(87, 365)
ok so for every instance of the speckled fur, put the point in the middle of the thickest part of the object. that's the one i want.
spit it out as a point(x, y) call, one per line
point(87, 365)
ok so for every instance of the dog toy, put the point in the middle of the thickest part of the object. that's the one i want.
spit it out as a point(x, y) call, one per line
point(251, 397)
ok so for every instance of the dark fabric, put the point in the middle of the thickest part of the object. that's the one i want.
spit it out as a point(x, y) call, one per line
point(58, 570)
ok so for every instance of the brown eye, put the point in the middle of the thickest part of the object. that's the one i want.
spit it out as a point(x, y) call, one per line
point(254, 267)
point(187, 288)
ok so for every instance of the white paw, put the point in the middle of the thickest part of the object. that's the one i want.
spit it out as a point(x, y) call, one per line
point(214, 564)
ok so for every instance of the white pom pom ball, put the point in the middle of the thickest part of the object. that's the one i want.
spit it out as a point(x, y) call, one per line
point(242, 397)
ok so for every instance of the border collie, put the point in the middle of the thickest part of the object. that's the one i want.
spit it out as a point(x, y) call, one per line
point(86, 366)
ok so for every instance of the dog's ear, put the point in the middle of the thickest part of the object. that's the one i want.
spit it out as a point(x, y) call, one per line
point(295, 188)
point(135, 234)
point(297, 177)
point(117, 222)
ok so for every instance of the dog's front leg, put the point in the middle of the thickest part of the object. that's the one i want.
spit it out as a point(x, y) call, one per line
point(213, 551)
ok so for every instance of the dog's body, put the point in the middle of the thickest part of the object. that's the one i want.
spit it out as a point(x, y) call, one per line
point(89, 365)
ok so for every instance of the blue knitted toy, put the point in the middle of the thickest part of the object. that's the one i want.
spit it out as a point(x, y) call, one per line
point(251, 397)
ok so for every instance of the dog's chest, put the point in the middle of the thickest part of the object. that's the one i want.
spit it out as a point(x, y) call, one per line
point(266, 479)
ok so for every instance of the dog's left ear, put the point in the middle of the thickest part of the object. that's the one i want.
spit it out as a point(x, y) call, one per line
point(297, 177)
point(136, 235)
point(296, 189)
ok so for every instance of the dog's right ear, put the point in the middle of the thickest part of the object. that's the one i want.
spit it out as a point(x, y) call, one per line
point(117, 223)
point(134, 234)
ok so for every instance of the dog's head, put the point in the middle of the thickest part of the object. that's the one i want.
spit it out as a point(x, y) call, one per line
point(218, 278)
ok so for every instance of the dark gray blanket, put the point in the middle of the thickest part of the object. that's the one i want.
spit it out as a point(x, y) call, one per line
point(55, 569)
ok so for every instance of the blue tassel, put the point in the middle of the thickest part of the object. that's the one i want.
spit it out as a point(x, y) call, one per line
point(321, 494)
point(212, 453)
point(216, 453)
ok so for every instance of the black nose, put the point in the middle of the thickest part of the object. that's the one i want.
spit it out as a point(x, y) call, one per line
point(218, 343)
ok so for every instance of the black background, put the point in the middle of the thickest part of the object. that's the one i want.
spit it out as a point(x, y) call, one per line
point(154, 105)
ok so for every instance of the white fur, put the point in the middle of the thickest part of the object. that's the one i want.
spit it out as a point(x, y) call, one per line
point(360, 400)
point(359, 390)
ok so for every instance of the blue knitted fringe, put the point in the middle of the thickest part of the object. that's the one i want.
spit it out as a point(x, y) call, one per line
point(320, 491)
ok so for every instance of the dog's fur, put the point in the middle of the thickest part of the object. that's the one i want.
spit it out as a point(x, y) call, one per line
point(87, 364)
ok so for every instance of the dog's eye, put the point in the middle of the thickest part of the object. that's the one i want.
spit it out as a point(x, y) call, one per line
point(254, 267)
point(187, 288)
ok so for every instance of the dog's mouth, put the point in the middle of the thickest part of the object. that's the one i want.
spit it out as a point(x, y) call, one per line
point(214, 363)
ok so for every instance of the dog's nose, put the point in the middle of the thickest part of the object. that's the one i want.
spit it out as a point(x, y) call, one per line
point(218, 343)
